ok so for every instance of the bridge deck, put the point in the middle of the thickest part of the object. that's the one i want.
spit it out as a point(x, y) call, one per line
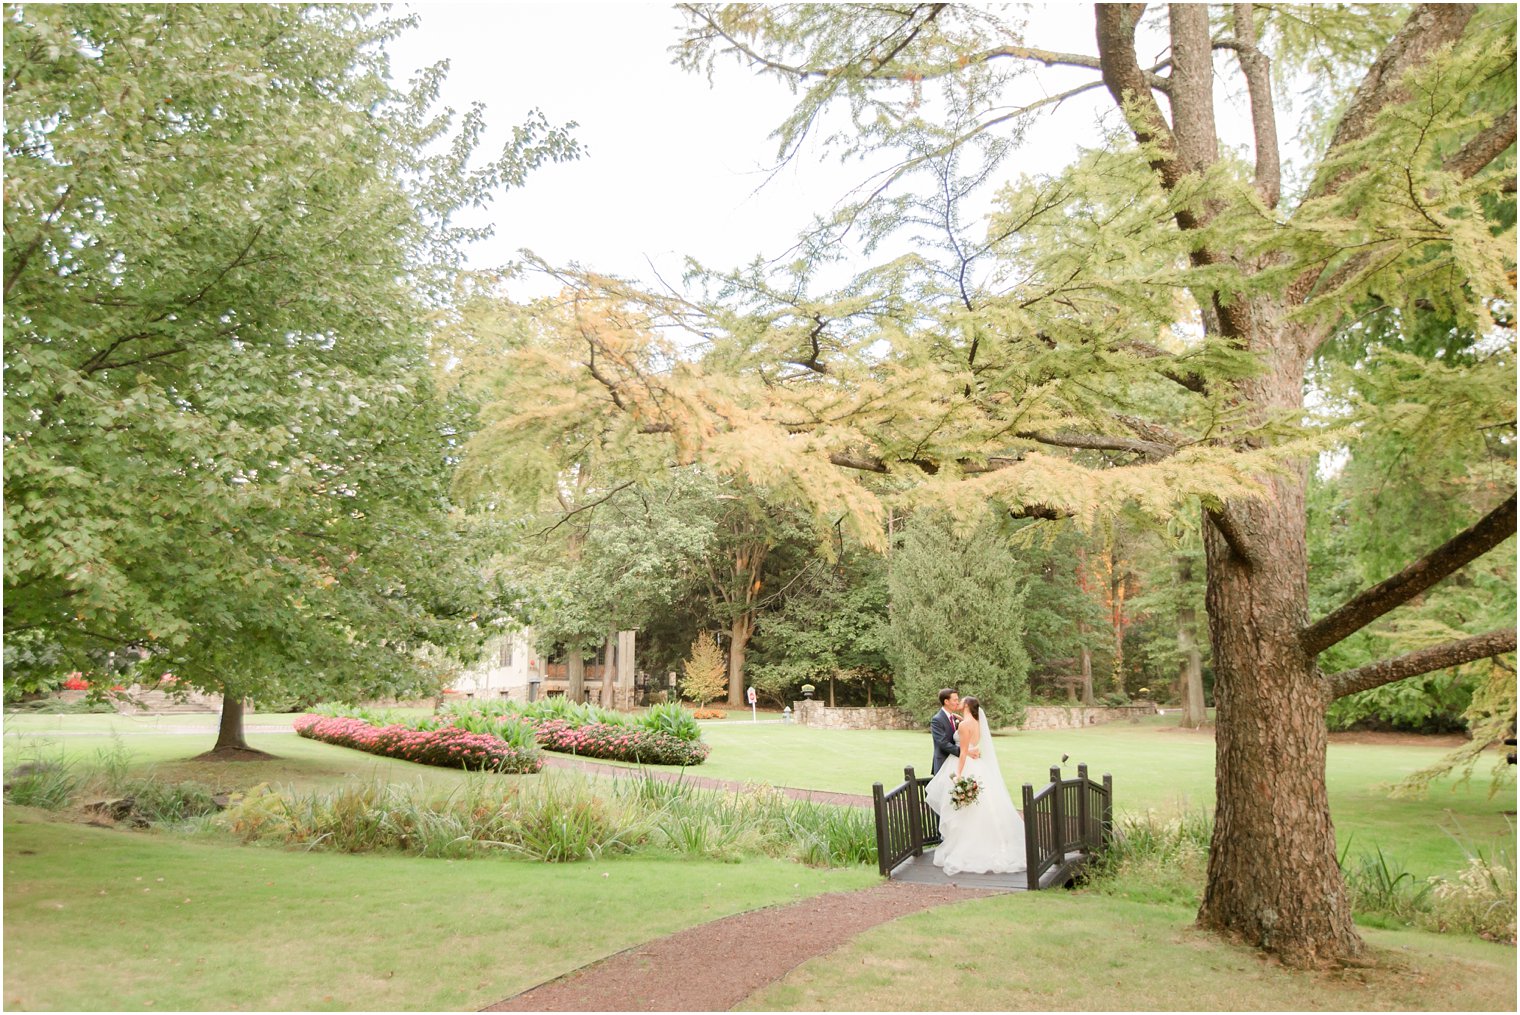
point(920, 870)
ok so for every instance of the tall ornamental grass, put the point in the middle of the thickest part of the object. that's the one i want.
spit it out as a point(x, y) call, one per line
point(559, 817)
point(1156, 858)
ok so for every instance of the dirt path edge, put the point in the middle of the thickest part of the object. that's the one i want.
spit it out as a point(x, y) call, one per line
point(754, 948)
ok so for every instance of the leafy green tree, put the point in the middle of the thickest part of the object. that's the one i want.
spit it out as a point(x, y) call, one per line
point(957, 618)
point(226, 236)
point(831, 627)
point(1132, 332)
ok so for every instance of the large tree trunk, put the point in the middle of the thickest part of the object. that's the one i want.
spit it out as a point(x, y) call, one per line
point(575, 673)
point(1087, 685)
point(1190, 670)
point(739, 633)
point(230, 743)
point(1273, 880)
point(609, 654)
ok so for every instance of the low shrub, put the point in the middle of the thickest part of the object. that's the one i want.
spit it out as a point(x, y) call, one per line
point(448, 746)
point(618, 743)
point(672, 718)
point(47, 784)
point(55, 706)
point(665, 734)
point(709, 713)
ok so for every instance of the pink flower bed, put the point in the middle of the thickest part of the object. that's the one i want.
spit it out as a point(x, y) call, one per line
point(620, 743)
point(448, 746)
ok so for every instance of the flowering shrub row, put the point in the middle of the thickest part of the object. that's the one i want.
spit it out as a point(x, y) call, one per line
point(448, 746)
point(619, 743)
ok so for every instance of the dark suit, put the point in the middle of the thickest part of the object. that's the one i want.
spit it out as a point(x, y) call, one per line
point(943, 731)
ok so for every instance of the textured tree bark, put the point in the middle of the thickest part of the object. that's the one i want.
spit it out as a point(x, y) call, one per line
point(609, 669)
point(1194, 709)
point(575, 673)
point(230, 743)
point(1087, 687)
point(229, 731)
point(740, 630)
point(1273, 879)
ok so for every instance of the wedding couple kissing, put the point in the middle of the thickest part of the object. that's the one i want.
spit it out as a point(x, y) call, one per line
point(980, 831)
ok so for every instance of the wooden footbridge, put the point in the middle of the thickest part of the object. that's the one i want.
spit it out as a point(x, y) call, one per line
point(1067, 824)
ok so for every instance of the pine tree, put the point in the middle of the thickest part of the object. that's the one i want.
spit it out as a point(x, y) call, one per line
point(957, 619)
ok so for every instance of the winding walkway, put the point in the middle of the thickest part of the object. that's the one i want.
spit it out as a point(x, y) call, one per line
point(751, 949)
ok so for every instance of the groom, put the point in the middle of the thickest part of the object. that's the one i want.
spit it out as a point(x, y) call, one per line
point(942, 728)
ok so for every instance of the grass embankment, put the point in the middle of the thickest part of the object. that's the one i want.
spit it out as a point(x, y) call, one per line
point(1062, 952)
point(106, 920)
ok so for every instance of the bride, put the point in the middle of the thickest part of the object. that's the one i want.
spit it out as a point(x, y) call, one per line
point(985, 836)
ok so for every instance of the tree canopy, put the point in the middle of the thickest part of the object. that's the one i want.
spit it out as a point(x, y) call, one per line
point(227, 232)
point(1133, 332)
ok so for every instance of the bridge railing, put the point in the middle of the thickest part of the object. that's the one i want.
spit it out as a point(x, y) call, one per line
point(1065, 824)
point(904, 822)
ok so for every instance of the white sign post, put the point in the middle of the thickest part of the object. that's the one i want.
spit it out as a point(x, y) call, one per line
point(752, 716)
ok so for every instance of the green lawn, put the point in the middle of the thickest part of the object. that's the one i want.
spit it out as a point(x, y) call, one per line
point(1059, 951)
point(106, 920)
point(231, 927)
point(1154, 765)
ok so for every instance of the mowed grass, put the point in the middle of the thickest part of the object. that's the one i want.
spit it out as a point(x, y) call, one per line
point(1061, 951)
point(110, 920)
point(1155, 766)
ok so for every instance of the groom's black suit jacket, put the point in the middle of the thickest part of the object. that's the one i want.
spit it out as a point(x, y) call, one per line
point(943, 731)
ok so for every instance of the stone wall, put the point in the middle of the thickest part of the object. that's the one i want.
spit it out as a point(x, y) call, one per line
point(1064, 717)
point(812, 712)
point(1039, 717)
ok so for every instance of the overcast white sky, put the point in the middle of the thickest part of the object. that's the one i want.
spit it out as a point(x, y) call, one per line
point(672, 166)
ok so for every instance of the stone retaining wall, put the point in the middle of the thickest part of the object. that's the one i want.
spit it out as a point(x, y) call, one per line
point(812, 712)
point(1062, 717)
point(1038, 717)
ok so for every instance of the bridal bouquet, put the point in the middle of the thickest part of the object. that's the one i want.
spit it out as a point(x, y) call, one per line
point(963, 791)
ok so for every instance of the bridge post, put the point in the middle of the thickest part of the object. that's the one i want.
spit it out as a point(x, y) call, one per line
point(1058, 815)
point(1107, 830)
point(1083, 810)
point(878, 803)
point(915, 811)
point(1031, 842)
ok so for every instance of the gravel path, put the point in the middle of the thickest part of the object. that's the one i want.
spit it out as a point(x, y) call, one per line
point(657, 976)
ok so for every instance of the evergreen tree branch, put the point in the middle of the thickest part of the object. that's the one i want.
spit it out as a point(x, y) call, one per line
point(1127, 84)
point(1367, 606)
point(1257, 69)
point(585, 507)
point(1101, 442)
point(1429, 27)
point(1412, 664)
point(1488, 145)
point(1225, 525)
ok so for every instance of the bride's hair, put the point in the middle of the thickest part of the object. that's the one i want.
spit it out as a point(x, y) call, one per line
point(974, 705)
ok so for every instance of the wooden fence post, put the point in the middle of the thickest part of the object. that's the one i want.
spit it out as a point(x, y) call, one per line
point(1107, 831)
point(1083, 809)
point(1058, 815)
point(915, 811)
point(878, 802)
point(1031, 842)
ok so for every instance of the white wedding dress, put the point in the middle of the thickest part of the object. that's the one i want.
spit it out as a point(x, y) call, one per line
point(987, 835)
